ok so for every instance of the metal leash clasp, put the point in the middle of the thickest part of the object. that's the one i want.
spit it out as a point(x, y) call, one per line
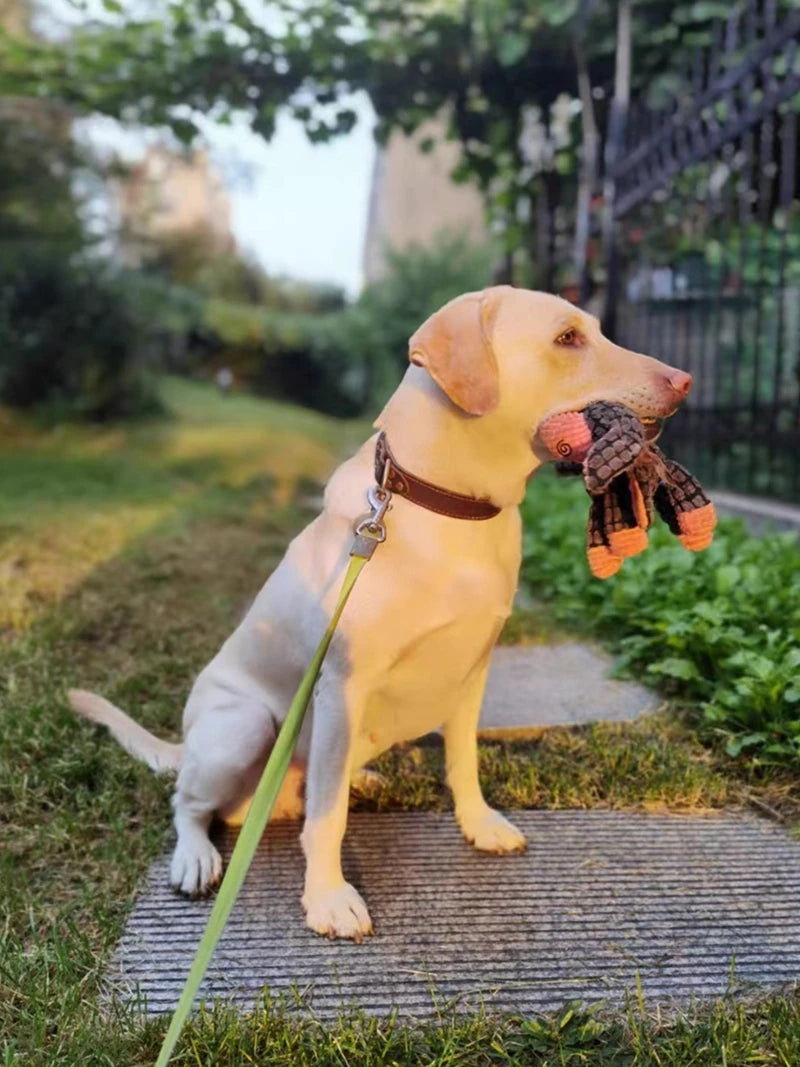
point(371, 531)
point(380, 500)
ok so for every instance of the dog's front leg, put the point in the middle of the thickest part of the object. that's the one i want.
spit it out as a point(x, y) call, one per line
point(484, 827)
point(333, 907)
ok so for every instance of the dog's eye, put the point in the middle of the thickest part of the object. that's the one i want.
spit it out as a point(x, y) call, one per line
point(570, 338)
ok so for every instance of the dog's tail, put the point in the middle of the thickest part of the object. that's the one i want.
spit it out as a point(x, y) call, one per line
point(158, 754)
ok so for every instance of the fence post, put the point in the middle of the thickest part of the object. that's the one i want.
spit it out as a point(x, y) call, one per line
point(587, 180)
point(589, 159)
point(613, 150)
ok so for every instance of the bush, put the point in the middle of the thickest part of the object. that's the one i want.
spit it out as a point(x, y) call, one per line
point(418, 281)
point(195, 259)
point(307, 359)
point(71, 342)
point(720, 628)
point(340, 361)
point(70, 336)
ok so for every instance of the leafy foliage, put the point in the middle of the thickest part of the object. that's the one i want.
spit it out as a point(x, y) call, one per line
point(340, 361)
point(720, 629)
point(78, 335)
point(418, 281)
point(70, 338)
point(71, 342)
point(492, 68)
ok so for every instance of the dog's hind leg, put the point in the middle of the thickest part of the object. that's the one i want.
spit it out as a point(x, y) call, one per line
point(196, 865)
point(289, 803)
point(223, 754)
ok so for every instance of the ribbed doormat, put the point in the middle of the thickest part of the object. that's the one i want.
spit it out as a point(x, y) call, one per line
point(598, 898)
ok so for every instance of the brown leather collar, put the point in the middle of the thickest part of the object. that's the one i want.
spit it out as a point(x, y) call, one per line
point(389, 473)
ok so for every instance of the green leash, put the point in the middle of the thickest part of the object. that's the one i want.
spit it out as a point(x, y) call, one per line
point(369, 533)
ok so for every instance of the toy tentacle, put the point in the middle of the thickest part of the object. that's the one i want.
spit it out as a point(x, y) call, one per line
point(662, 498)
point(694, 517)
point(625, 535)
point(602, 561)
point(568, 469)
point(615, 452)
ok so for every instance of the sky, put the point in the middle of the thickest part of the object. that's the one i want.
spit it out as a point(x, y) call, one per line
point(300, 208)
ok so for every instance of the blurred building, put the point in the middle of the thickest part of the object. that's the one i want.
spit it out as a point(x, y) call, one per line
point(170, 193)
point(48, 116)
point(15, 16)
point(413, 197)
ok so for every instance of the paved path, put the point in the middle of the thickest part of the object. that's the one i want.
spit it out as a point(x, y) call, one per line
point(758, 513)
point(532, 686)
point(598, 898)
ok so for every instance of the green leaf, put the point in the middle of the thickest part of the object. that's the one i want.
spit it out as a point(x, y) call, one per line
point(511, 48)
point(675, 667)
point(727, 577)
point(737, 744)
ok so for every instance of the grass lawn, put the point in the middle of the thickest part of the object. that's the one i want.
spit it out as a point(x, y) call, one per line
point(126, 556)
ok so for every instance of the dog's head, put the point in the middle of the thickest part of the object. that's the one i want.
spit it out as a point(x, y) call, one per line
point(525, 355)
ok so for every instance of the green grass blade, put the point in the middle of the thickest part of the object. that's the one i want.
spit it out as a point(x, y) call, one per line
point(255, 823)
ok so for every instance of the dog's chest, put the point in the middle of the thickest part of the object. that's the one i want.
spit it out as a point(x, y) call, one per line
point(437, 673)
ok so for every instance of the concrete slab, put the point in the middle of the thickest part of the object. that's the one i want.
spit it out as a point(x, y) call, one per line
point(531, 686)
point(758, 513)
point(598, 898)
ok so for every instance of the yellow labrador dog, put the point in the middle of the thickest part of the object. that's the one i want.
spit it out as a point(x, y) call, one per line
point(412, 651)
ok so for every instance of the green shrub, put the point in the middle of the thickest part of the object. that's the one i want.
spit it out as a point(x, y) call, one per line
point(720, 628)
point(340, 361)
point(71, 337)
point(71, 341)
point(418, 281)
point(305, 358)
point(75, 336)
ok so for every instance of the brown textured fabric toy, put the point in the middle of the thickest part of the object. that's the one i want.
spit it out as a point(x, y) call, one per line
point(628, 478)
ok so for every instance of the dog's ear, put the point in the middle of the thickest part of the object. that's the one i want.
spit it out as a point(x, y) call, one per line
point(454, 346)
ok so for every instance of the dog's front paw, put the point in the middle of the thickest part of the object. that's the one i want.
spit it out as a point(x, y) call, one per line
point(337, 912)
point(492, 832)
point(196, 867)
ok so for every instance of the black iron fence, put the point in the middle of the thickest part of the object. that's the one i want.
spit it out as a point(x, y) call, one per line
point(707, 208)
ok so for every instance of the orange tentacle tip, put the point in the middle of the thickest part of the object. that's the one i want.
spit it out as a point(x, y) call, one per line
point(626, 543)
point(696, 542)
point(602, 562)
point(699, 520)
point(566, 436)
point(697, 527)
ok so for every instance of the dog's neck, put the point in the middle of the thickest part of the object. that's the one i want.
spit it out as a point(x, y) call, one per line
point(432, 439)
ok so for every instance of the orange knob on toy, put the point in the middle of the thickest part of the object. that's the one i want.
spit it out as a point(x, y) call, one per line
point(567, 436)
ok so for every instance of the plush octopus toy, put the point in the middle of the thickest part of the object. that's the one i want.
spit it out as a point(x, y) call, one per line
point(628, 478)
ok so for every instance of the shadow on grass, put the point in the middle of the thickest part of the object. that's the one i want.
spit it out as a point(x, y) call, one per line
point(80, 819)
